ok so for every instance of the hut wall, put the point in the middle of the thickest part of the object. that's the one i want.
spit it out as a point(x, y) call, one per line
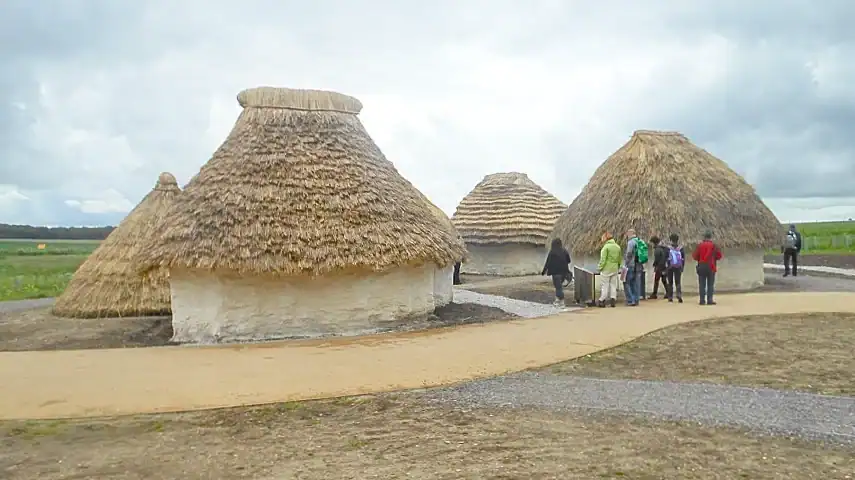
point(738, 270)
point(443, 285)
point(508, 260)
point(208, 308)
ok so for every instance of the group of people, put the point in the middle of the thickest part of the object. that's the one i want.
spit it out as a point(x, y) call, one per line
point(627, 266)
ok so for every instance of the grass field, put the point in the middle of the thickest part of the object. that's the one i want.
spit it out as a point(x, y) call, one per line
point(825, 238)
point(29, 272)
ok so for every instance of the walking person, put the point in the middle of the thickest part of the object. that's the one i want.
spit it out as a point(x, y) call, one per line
point(558, 266)
point(632, 284)
point(675, 262)
point(609, 268)
point(707, 254)
point(455, 279)
point(791, 248)
point(660, 263)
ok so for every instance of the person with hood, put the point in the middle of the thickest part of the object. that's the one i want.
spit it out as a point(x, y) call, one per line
point(675, 262)
point(791, 248)
point(609, 268)
point(660, 259)
point(557, 265)
point(706, 254)
point(632, 284)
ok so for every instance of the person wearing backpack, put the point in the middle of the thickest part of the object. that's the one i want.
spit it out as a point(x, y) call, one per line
point(636, 254)
point(660, 260)
point(706, 254)
point(791, 248)
point(675, 261)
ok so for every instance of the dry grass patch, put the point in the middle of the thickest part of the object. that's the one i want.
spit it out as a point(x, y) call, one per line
point(803, 352)
point(401, 437)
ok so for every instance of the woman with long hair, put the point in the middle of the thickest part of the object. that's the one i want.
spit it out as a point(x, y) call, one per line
point(558, 266)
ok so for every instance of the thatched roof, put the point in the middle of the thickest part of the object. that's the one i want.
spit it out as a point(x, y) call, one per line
point(299, 188)
point(661, 183)
point(107, 283)
point(507, 208)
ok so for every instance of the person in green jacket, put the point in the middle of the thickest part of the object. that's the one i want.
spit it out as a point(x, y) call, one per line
point(609, 268)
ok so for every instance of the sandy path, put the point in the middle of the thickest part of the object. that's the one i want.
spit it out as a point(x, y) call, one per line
point(54, 384)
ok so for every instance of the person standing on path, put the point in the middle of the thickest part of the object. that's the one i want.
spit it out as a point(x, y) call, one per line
point(660, 260)
point(609, 268)
point(791, 248)
point(632, 284)
point(558, 266)
point(675, 262)
point(706, 254)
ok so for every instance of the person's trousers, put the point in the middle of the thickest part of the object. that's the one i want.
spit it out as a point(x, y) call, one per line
point(456, 278)
point(673, 282)
point(791, 254)
point(608, 286)
point(642, 284)
point(657, 276)
point(632, 286)
point(706, 282)
point(558, 283)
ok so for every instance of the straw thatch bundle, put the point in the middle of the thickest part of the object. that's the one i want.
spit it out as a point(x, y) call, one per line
point(507, 208)
point(299, 188)
point(107, 283)
point(661, 183)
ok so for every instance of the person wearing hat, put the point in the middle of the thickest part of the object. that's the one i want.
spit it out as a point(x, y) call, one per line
point(706, 254)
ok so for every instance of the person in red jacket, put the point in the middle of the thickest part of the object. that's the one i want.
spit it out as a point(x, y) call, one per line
point(706, 254)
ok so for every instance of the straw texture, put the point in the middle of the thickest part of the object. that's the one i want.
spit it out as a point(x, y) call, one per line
point(661, 183)
point(107, 283)
point(507, 208)
point(299, 188)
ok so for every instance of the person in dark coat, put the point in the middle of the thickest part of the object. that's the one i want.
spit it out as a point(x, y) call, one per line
point(660, 261)
point(558, 266)
point(791, 248)
point(456, 278)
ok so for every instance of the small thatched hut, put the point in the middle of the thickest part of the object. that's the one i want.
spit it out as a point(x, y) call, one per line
point(107, 283)
point(299, 226)
point(661, 183)
point(504, 221)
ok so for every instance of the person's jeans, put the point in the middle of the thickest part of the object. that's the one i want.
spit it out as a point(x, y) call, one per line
point(632, 286)
point(673, 282)
point(706, 283)
point(558, 283)
point(658, 275)
point(791, 254)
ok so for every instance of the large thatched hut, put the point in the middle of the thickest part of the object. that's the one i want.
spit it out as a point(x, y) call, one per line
point(299, 226)
point(661, 183)
point(107, 283)
point(504, 221)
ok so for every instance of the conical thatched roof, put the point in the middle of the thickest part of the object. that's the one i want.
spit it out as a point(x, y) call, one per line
point(661, 183)
point(299, 188)
point(507, 208)
point(107, 283)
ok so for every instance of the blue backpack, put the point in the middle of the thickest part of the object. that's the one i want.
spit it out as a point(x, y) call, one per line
point(675, 257)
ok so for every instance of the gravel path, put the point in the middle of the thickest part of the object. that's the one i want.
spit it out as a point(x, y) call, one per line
point(846, 272)
point(18, 305)
point(775, 412)
point(517, 307)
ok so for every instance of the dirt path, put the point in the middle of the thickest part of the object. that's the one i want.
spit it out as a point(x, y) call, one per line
point(54, 384)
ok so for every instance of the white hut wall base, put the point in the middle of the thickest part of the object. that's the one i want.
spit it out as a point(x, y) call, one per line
point(207, 308)
point(738, 270)
point(513, 259)
point(443, 286)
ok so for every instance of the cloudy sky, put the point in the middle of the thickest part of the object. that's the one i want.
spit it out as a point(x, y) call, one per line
point(98, 96)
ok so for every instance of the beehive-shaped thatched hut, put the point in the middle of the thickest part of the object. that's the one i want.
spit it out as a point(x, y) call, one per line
point(504, 221)
point(299, 226)
point(661, 183)
point(107, 283)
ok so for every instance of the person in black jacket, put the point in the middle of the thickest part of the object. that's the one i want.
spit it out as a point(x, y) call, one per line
point(558, 266)
point(660, 261)
point(791, 248)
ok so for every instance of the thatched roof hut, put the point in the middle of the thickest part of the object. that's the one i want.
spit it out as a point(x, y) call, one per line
point(661, 183)
point(299, 209)
point(504, 221)
point(107, 283)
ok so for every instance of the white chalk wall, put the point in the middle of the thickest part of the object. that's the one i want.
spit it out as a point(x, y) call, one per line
point(207, 308)
point(738, 270)
point(443, 286)
point(507, 260)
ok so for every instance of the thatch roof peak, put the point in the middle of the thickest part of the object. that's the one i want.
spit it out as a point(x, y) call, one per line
point(661, 183)
point(507, 207)
point(107, 283)
point(299, 188)
point(298, 99)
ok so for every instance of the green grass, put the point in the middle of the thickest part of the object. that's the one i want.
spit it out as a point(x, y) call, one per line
point(36, 276)
point(826, 229)
point(52, 247)
point(825, 238)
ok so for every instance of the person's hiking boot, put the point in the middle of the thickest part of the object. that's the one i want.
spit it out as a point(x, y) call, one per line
point(612, 303)
point(711, 303)
point(680, 299)
point(558, 303)
point(670, 300)
point(702, 302)
point(653, 297)
point(601, 304)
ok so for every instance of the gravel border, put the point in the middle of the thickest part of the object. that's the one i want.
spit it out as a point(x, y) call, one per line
point(517, 307)
point(844, 272)
point(762, 410)
point(19, 305)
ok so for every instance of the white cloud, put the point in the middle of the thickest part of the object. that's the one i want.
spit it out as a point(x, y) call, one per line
point(108, 201)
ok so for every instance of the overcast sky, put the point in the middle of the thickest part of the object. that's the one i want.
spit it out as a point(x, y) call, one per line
point(99, 96)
